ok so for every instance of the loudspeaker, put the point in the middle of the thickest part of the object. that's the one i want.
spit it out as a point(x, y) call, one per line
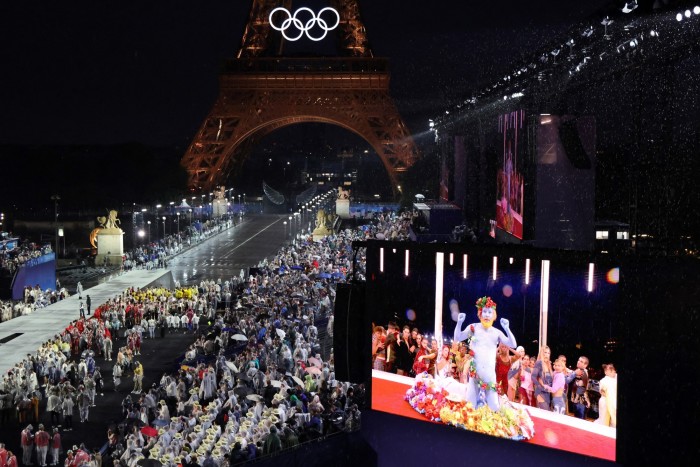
point(352, 334)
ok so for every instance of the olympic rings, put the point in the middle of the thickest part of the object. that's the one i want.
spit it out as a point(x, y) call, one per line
point(304, 28)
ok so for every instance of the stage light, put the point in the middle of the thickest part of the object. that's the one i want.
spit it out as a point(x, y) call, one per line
point(679, 17)
point(687, 13)
point(544, 302)
point(591, 268)
point(452, 258)
point(613, 276)
point(495, 267)
point(405, 270)
point(464, 267)
point(381, 260)
point(588, 32)
point(510, 260)
point(696, 10)
point(439, 284)
point(606, 22)
point(527, 271)
point(653, 33)
point(630, 6)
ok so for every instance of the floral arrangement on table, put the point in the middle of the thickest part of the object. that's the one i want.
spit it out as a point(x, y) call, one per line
point(434, 403)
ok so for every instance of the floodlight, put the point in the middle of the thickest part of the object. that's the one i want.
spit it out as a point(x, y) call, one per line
point(630, 6)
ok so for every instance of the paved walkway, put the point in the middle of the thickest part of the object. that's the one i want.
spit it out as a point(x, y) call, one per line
point(25, 334)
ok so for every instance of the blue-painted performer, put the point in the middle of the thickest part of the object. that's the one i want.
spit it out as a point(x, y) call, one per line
point(483, 343)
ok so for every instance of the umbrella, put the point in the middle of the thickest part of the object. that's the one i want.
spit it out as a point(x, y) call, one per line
point(149, 463)
point(297, 268)
point(262, 316)
point(315, 362)
point(297, 294)
point(160, 422)
point(244, 377)
point(313, 370)
point(276, 384)
point(242, 391)
point(149, 431)
point(232, 367)
point(239, 337)
point(280, 333)
point(228, 329)
point(298, 381)
point(337, 275)
point(323, 275)
point(254, 397)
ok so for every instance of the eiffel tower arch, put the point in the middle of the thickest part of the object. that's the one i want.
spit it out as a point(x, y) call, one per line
point(260, 93)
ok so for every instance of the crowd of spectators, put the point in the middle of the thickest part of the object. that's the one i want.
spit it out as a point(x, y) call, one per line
point(13, 259)
point(259, 377)
point(148, 256)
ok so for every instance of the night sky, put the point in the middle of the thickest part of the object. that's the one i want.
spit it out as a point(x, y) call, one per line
point(85, 74)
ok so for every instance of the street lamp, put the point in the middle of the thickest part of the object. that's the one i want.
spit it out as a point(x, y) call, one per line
point(149, 231)
point(285, 228)
point(178, 224)
point(163, 227)
point(55, 199)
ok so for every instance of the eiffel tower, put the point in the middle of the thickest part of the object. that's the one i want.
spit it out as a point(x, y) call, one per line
point(261, 91)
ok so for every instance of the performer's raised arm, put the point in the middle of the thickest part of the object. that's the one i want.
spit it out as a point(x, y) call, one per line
point(510, 341)
point(459, 334)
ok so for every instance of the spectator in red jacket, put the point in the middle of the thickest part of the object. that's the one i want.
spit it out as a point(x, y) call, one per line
point(41, 440)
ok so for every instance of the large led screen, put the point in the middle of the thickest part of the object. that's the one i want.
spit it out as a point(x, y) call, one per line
point(543, 372)
point(510, 183)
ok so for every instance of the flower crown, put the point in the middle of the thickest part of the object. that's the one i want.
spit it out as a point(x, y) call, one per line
point(485, 302)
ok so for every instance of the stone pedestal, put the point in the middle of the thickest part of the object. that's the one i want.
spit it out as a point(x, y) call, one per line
point(342, 208)
point(110, 247)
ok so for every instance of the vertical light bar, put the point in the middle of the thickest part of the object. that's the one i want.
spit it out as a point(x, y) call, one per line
point(544, 302)
point(439, 280)
point(527, 271)
point(405, 270)
point(381, 259)
point(591, 267)
point(510, 260)
point(495, 266)
point(464, 267)
point(452, 258)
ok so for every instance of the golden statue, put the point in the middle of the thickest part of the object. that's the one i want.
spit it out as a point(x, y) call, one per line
point(108, 224)
point(324, 224)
